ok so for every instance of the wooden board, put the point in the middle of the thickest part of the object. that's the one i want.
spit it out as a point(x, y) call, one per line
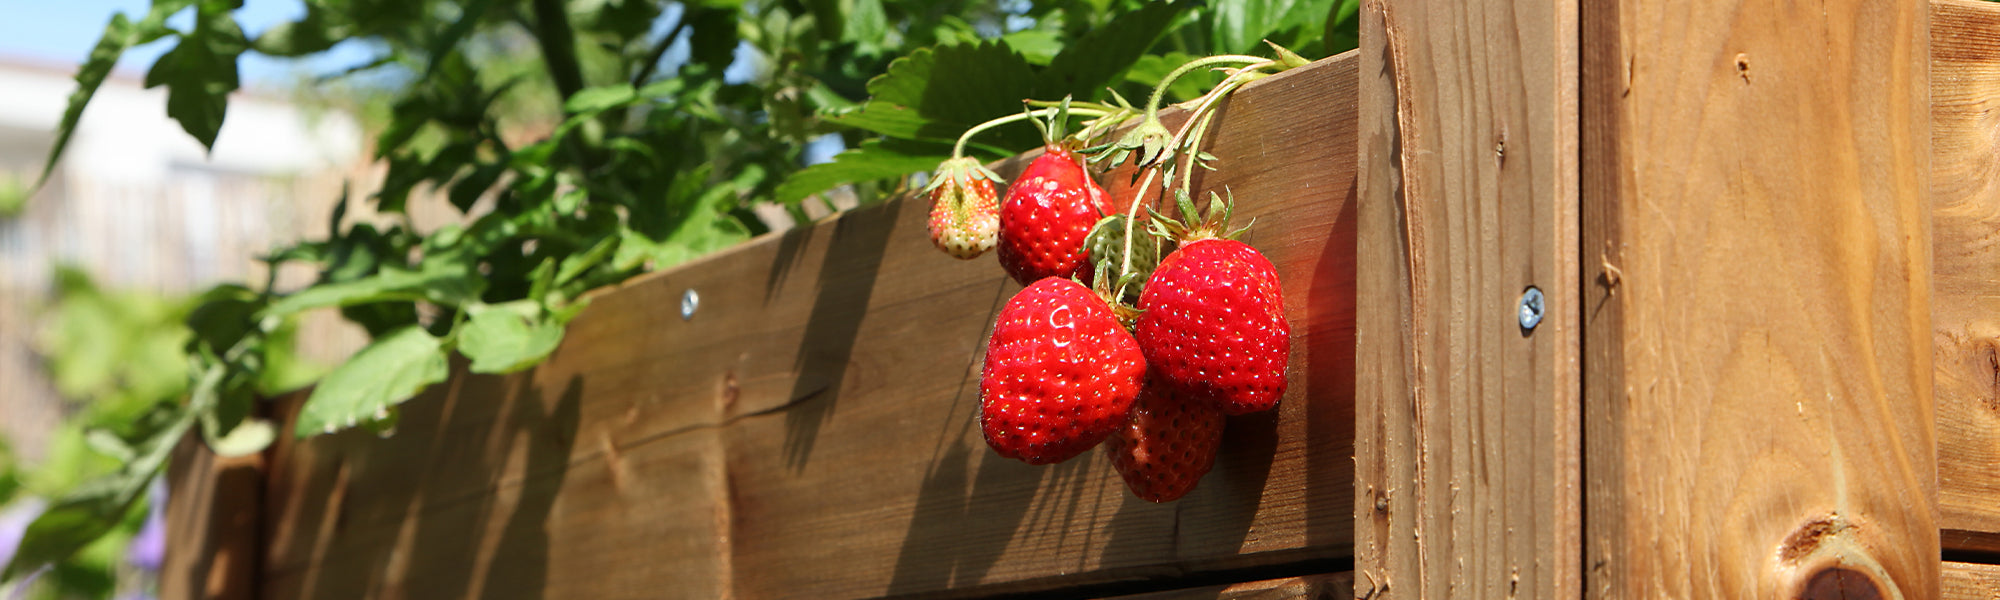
point(1969, 581)
point(1467, 443)
point(1309, 587)
point(1965, 225)
point(811, 431)
point(214, 521)
point(1758, 403)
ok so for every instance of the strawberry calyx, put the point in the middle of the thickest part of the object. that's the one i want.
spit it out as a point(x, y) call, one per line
point(1194, 225)
point(960, 172)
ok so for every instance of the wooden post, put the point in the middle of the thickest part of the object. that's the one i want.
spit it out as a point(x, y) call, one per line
point(1466, 442)
point(214, 525)
point(1965, 302)
point(1757, 382)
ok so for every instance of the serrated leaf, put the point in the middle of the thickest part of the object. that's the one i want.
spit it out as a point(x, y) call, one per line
point(938, 93)
point(872, 160)
point(503, 340)
point(599, 99)
point(389, 371)
point(1096, 59)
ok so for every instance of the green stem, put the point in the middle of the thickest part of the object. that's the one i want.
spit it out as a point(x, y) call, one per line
point(1075, 105)
point(958, 151)
point(1153, 103)
point(1197, 122)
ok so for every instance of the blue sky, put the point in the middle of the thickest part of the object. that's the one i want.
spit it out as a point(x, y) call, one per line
point(63, 31)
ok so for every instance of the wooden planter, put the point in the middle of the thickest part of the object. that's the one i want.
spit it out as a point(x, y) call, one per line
point(1765, 367)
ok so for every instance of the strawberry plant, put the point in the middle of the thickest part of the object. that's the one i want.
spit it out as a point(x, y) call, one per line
point(1209, 316)
point(585, 142)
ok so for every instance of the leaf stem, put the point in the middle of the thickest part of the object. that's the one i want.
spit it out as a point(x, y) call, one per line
point(1160, 91)
point(958, 151)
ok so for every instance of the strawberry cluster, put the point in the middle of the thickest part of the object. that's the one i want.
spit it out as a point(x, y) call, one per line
point(1139, 338)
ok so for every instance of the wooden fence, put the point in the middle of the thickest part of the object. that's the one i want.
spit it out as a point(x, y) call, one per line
point(1764, 233)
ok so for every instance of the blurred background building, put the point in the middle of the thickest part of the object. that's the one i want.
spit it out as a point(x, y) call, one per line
point(139, 205)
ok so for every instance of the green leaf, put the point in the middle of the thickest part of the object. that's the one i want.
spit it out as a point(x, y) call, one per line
point(443, 282)
point(70, 524)
point(599, 99)
point(1239, 26)
point(387, 372)
point(873, 160)
point(94, 507)
point(200, 72)
point(508, 338)
point(866, 23)
point(1095, 60)
point(949, 89)
point(117, 36)
point(1037, 46)
point(445, 43)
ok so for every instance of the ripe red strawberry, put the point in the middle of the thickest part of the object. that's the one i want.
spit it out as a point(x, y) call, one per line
point(1049, 210)
point(1061, 374)
point(1214, 322)
point(965, 213)
point(1168, 445)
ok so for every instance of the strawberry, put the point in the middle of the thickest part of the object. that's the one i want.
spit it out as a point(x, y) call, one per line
point(1168, 445)
point(1214, 322)
point(1061, 374)
point(965, 215)
point(1048, 212)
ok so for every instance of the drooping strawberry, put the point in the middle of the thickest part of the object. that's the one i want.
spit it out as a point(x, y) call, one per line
point(965, 213)
point(1061, 374)
point(1169, 444)
point(1049, 210)
point(1214, 322)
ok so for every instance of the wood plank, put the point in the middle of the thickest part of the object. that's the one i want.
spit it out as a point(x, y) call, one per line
point(1309, 587)
point(1969, 581)
point(928, 509)
point(810, 431)
point(1965, 287)
point(1467, 451)
point(1758, 381)
point(214, 518)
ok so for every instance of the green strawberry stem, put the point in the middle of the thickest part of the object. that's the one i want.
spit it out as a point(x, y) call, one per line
point(1197, 124)
point(959, 150)
point(1206, 112)
point(1160, 91)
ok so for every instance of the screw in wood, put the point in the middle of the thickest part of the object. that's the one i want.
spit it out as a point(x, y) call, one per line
point(1531, 309)
point(689, 302)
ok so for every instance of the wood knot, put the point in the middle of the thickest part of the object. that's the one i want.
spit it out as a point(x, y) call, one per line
point(1743, 66)
point(1808, 537)
point(1837, 583)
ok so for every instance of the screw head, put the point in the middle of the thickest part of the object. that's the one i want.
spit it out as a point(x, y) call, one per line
point(689, 302)
point(1531, 309)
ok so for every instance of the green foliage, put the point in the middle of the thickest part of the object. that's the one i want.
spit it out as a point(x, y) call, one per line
point(578, 155)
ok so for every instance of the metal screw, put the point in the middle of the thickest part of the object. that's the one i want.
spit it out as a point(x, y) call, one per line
point(689, 302)
point(1531, 309)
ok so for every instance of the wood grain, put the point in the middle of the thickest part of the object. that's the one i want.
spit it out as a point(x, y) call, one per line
point(1758, 371)
point(1309, 587)
point(1965, 242)
point(214, 524)
point(1969, 581)
point(810, 432)
point(1467, 444)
